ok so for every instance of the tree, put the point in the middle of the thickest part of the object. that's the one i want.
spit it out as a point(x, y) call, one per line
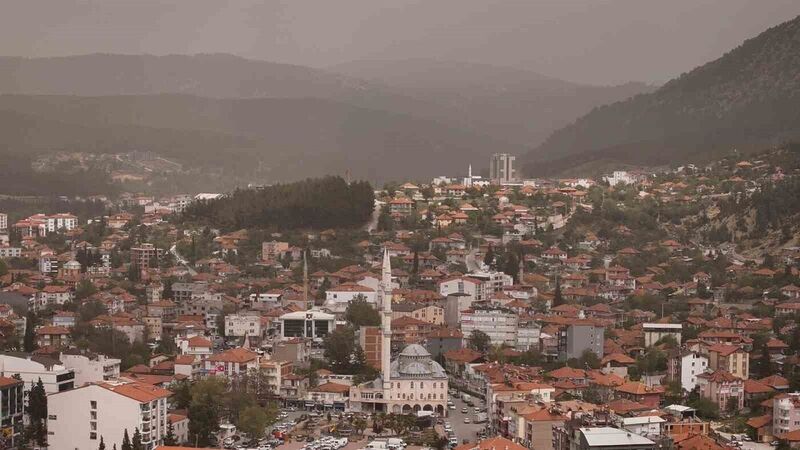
point(488, 259)
point(339, 347)
point(480, 341)
point(360, 313)
point(126, 441)
point(84, 289)
point(170, 438)
point(253, 420)
point(511, 266)
point(136, 442)
point(204, 409)
point(29, 341)
point(102, 445)
point(557, 297)
point(3, 268)
point(37, 412)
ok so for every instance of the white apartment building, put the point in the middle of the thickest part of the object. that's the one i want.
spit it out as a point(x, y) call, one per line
point(498, 323)
point(337, 298)
point(3, 221)
point(692, 365)
point(473, 287)
point(10, 252)
point(620, 177)
point(786, 413)
point(243, 324)
point(233, 362)
point(493, 281)
point(653, 332)
point(91, 368)
point(79, 417)
point(54, 375)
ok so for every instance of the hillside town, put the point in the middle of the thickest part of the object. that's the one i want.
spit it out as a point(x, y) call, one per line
point(640, 310)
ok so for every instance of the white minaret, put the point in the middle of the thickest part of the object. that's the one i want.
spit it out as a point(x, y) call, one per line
point(385, 305)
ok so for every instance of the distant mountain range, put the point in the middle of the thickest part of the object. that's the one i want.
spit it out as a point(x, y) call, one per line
point(746, 99)
point(297, 120)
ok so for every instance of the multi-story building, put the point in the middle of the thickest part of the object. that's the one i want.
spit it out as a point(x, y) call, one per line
point(686, 366)
point(80, 417)
point(338, 298)
point(54, 375)
point(41, 224)
point(501, 168)
point(785, 413)
point(233, 362)
point(654, 332)
point(270, 251)
point(243, 324)
point(722, 388)
point(578, 338)
point(89, 367)
point(182, 292)
point(730, 358)
point(3, 222)
point(10, 252)
point(145, 256)
point(12, 409)
point(498, 323)
point(608, 438)
point(444, 340)
point(312, 324)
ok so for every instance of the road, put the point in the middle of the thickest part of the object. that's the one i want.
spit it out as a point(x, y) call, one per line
point(372, 225)
point(463, 430)
point(181, 261)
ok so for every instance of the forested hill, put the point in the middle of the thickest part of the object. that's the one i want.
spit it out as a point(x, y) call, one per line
point(318, 203)
point(746, 98)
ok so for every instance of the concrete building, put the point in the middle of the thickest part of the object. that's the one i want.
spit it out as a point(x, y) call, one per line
point(501, 168)
point(243, 324)
point(499, 324)
point(12, 410)
point(463, 286)
point(3, 222)
point(145, 256)
point(692, 364)
point(786, 413)
point(607, 438)
point(454, 304)
point(79, 417)
point(54, 375)
point(444, 340)
point(182, 292)
point(577, 338)
point(338, 298)
point(312, 324)
point(653, 332)
point(90, 368)
point(233, 362)
point(730, 358)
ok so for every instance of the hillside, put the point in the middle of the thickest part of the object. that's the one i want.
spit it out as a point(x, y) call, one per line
point(512, 104)
point(289, 138)
point(746, 99)
point(507, 105)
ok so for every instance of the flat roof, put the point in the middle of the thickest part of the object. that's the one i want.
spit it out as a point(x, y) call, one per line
point(607, 437)
point(642, 420)
point(674, 326)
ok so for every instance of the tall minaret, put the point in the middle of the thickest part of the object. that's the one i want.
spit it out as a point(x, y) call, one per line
point(305, 280)
point(385, 307)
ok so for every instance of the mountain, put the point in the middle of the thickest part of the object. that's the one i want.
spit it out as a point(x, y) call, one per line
point(512, 104)
point(508, 105)
point(746, 99)
point(284, 138)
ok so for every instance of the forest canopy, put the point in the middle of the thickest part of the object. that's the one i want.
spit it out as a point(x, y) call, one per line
point(317, 203)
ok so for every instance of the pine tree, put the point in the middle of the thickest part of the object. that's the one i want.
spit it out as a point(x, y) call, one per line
point(37, 411)
point(489, 258)
point(557, 298)
point(137, 440)
point(102, 445)
point(170, 438)
point(126, 441)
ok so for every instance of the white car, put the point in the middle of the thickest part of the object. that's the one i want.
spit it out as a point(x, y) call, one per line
point(466, 420)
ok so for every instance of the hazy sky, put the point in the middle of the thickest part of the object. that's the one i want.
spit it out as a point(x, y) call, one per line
point(593, 41)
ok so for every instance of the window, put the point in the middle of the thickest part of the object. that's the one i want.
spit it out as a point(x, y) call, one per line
point(93, 415)
point(93, 404)
point(52, 417)
point(93, 436)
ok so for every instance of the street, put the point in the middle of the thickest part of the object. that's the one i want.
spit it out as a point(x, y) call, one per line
point(463, 430)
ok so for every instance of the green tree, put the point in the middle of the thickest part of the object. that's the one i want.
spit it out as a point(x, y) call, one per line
point(84, 289)
point(339, 347)
point(29, 341)
point(558, 299)
point(204, 409)
point(170, 438)
point(488, 259)
point(3, 268)
point(37, 412)
point(126, 441)
point(360, 313)
point(480, 341)
point(253, 420)
point(136, 442)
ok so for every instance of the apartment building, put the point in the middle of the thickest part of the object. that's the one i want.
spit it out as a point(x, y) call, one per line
point(243, 324)
point(79, 417)
point(90, 367)
point(54, 375)
point(145, 255)
point(499, 324)
point(730, 358)
point(786, 413)
point(11, 410)
point(577, 338)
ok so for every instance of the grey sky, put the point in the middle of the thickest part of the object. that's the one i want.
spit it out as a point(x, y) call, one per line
point(592, 41)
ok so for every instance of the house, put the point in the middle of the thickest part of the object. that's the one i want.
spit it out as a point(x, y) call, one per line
point(641, 393)
point(786, 414)
point(235, 361)
point(77, 418)
point(180, 427)
point(722, 388)
point(617, 363)
point(53, 336)
point(328, 396)
point(730, 358)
